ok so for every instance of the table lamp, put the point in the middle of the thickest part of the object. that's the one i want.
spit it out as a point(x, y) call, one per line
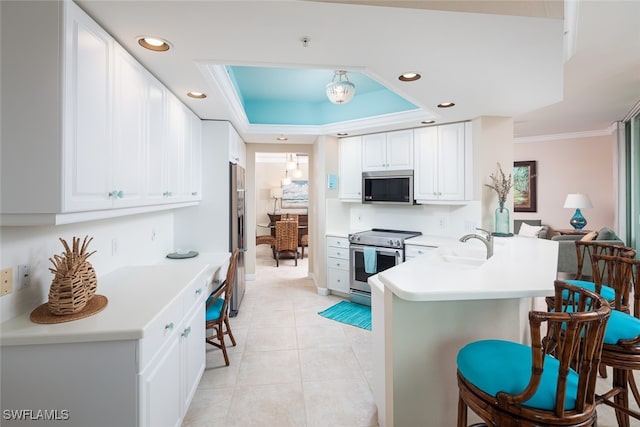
point(276, 193)
point(578, 201)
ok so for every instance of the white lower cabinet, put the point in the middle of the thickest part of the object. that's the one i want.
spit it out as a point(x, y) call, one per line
point(338, 264)
point(160, 395)
point(169, 382)
point(412, 251)
point(146, 382)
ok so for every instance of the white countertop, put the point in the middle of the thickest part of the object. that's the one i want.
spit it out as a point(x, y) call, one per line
point(520, 267)
point(431, 241)
point(136, 294)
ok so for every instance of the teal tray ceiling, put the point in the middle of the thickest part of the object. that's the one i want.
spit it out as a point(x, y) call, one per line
point(288, 96)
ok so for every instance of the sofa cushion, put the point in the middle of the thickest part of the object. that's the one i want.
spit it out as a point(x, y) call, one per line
point(529, 230)
point(606, 233)
point(592, 235)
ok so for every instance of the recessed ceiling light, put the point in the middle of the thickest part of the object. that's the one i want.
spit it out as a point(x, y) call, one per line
point(410, 77)
point(282, 138)
point(154, 43)
point(428, 122)
point(197, 95)
point(446, 105)
point(342, 134)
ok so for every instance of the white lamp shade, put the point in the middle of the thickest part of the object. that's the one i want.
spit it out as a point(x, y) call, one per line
point(276, 193)
point(578, 201)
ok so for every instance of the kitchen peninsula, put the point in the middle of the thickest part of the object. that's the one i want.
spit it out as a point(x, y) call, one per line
point(426, 309)
point(136, 363)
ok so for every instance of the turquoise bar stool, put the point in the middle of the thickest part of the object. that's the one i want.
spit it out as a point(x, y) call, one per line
point(550, 383)
point(621, 349)
point(585, 250)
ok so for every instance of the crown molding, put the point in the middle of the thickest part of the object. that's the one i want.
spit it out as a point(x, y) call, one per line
point(569, 135)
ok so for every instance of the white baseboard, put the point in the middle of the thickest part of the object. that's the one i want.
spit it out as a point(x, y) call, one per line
point(323, 291)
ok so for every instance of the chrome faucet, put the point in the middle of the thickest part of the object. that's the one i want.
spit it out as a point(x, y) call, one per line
point(488, 241)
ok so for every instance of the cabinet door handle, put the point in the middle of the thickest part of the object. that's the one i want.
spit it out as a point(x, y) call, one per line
point(186, 332)
point(116, 194)
point(198, 291)
point(168, 327)
point(195, 193)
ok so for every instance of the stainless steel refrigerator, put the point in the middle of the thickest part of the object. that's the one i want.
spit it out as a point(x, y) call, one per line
point(237, 231)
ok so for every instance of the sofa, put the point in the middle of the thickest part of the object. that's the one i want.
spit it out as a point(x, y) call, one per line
point(567, 258)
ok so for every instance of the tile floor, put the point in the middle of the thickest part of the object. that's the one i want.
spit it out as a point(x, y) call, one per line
point(292, 367)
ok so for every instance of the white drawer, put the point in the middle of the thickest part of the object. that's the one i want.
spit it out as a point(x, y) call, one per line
point(339, 263)
point(160, 331)
point(338, 242)
point(341, 253)
point(196, 293)
point(412, 251)
point(338, 280)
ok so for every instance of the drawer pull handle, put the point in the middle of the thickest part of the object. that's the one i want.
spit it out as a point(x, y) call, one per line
point(169, 326)
point(186, 332)
point(198, 291)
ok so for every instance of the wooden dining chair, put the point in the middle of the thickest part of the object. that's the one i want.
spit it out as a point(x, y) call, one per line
point(621, 348)
point(550, 383)
point(304, 243)
point(286, 240)
point(217, 310)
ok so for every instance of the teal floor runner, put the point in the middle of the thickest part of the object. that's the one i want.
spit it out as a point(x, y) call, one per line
point(350, 313)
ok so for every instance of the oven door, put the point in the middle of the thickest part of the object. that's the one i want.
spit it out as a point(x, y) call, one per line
point(385, 259)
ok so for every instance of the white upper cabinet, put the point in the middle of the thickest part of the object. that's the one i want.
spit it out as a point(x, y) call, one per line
point(387, 151)
point(443, 163)
point(237, 149)
point(87, 78)
point(350, 158)
point(129, 137)
point(108, 134)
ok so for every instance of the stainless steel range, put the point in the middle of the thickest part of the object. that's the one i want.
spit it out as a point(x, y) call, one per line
point(371, 252)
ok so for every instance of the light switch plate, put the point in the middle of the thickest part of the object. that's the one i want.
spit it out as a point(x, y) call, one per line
point(6, 281)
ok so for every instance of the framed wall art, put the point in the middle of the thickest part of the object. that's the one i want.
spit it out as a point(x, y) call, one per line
point(295, 195)
point(524, 186)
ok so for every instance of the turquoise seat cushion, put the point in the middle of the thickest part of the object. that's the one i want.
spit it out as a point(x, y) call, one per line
point(621, 326)
point(607, 292)
point(213, 310)
point(494, 366)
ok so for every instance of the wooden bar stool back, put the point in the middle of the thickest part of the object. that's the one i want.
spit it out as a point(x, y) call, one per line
point(621, 348)
point(550, 383)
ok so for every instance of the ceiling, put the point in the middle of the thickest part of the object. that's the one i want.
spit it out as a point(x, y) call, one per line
point(495, 58)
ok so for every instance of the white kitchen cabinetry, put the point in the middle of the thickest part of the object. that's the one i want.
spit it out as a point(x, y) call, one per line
point(171, 379)
point(88, 80)
point(338, 264)
point(136, 363)
point(443, 163)
point(387, 151)
point(350, 158)
point(102, 123)
point(237, 149)
point(412, 251)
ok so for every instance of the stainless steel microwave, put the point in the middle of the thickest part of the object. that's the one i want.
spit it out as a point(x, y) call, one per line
point(392, 187)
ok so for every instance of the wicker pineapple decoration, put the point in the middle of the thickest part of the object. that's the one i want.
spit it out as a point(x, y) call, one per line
point(74, 282)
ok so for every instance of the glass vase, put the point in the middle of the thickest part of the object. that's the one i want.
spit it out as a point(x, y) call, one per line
point(502, 219)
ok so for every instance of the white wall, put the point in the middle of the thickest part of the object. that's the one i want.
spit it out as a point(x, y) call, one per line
point(573, 165)
point(139, 239)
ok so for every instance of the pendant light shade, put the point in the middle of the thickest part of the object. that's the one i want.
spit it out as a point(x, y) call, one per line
point(291, 163)
point(340, 90)
point(286, 180)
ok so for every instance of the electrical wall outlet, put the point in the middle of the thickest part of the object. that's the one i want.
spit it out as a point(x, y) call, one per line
point(6, 281)
point(24, 276)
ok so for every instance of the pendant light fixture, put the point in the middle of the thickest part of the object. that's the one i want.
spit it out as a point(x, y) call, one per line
point(286, 180)
point(340, 91)
point(297, 173)
point(291, 164)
